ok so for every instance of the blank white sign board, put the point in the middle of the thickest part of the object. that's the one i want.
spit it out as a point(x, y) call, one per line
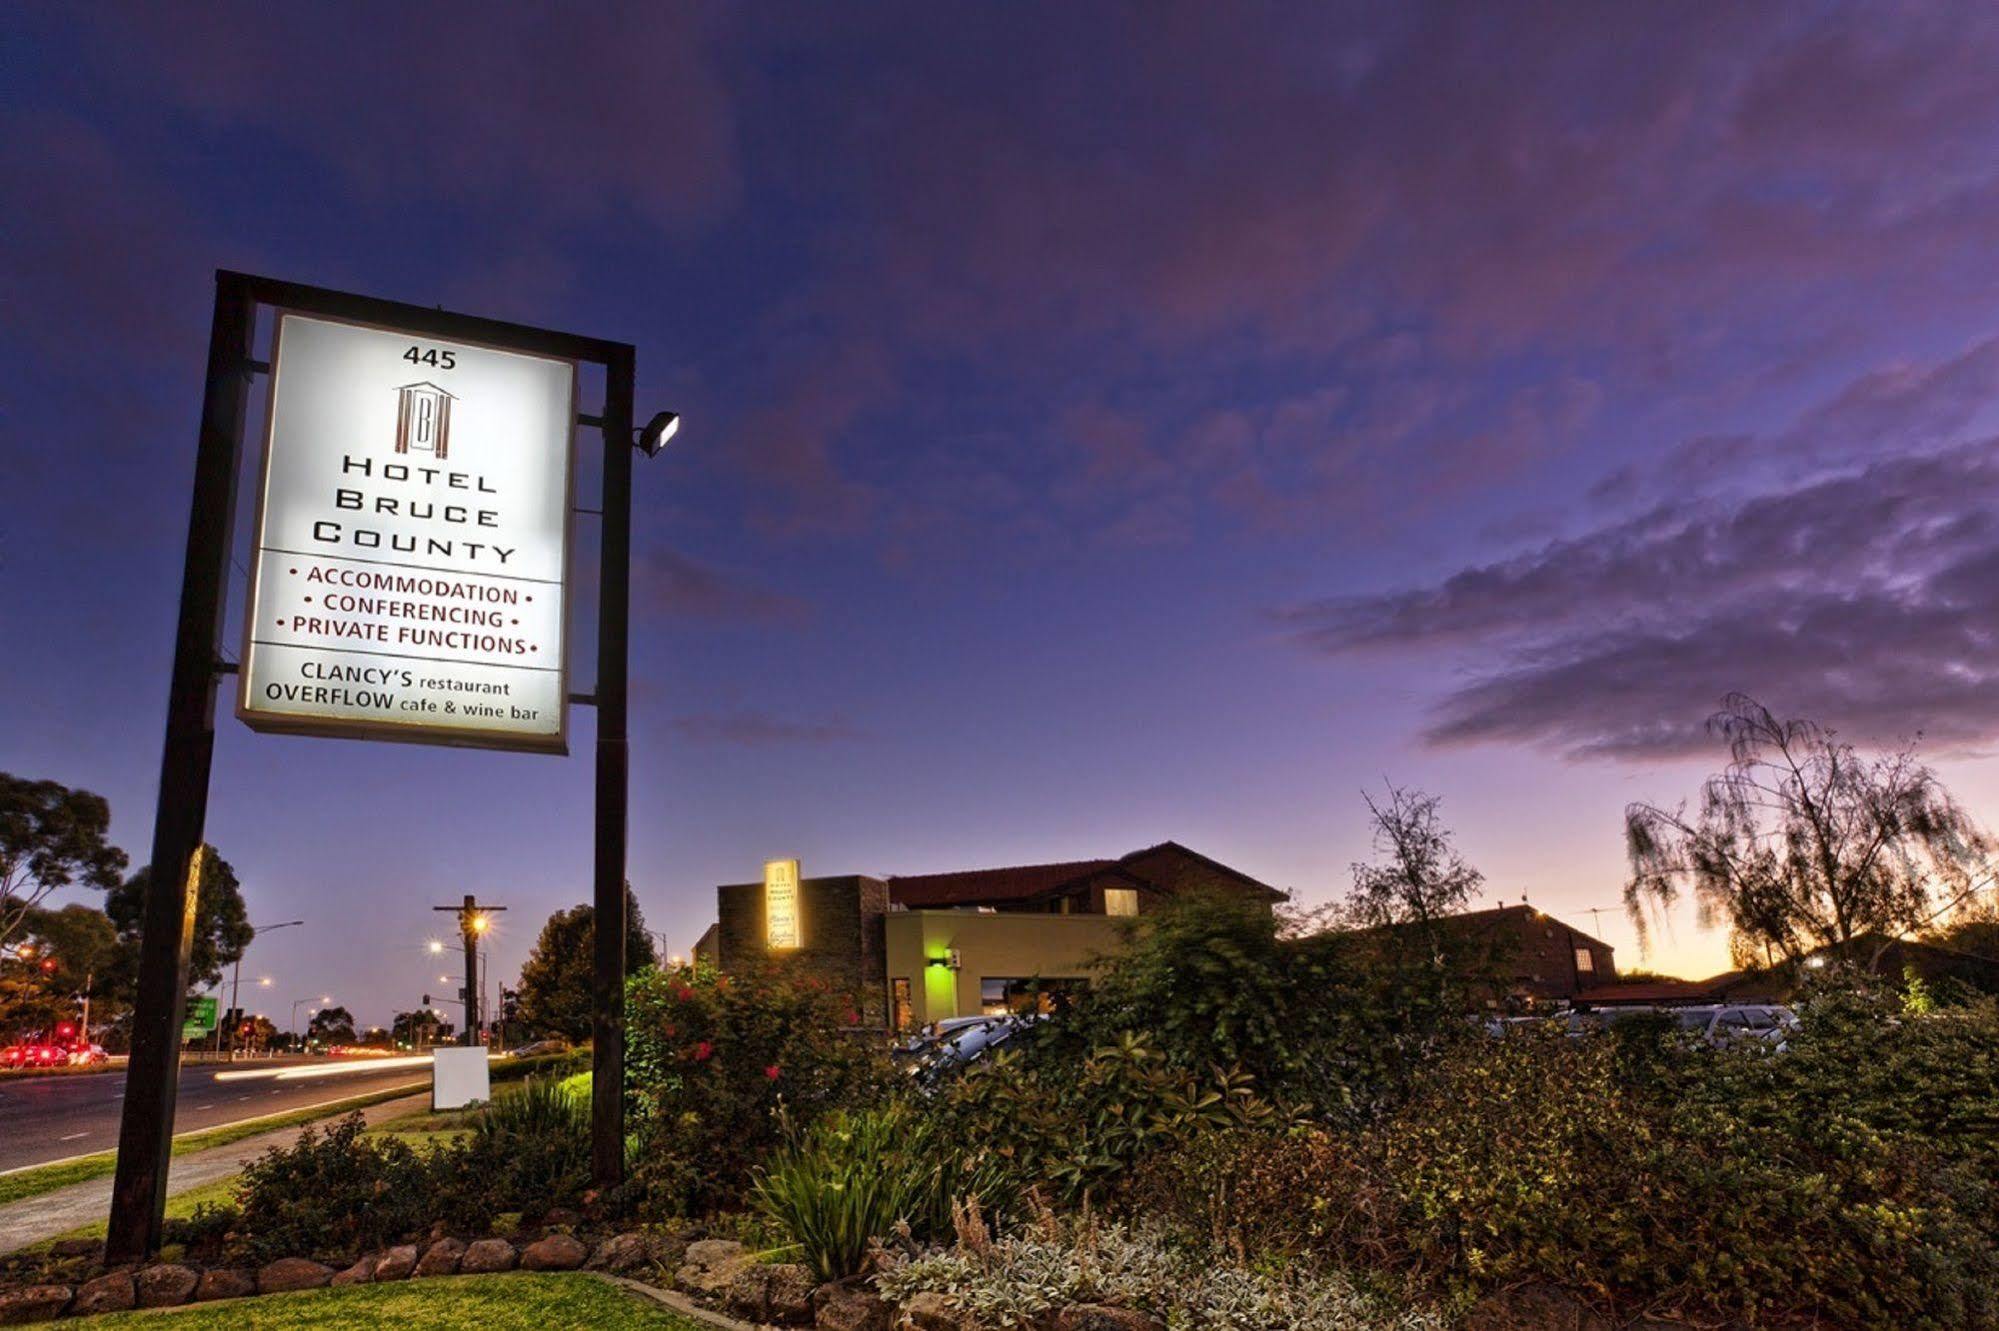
point(458, 1078)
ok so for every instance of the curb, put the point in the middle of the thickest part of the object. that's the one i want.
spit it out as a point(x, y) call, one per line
point(678, 1303)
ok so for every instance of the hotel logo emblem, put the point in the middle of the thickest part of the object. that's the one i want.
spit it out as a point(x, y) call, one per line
point(423, 419)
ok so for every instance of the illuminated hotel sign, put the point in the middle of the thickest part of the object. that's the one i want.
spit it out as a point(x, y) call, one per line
point(410, 574)
point(781, 904)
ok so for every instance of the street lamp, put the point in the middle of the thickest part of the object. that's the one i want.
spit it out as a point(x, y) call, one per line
point(236, 984)
point(323, 1001)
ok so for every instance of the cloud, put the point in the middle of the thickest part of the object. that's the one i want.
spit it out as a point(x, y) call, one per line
point(667, 583)
point(1865, 595)
point(758, 730)
point(560, 112)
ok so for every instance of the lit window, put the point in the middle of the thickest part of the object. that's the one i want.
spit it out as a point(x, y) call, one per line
point(1585, 961)
point(1120, 901)
point(898, 1002)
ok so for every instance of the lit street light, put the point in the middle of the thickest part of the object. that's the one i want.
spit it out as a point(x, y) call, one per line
point(323, 1001)
point(236, 984)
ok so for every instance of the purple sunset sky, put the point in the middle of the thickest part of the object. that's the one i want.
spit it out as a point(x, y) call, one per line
point(1103, 424)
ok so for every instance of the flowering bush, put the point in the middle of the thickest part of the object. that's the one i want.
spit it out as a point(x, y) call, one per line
point(714, 1062)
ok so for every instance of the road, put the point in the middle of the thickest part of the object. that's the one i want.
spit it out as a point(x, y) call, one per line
point(53, 1118)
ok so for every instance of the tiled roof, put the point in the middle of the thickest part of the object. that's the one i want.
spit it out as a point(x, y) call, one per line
point(984, 886)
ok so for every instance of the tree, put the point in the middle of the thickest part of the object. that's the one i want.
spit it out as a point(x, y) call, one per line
point(555, 981)
point(1801, 844)
point(1418, 877)
point(256, 1032)
point(62, 956)
point(331, 1025)
point(50, 837)
point(222, 931)
point(1399, 904)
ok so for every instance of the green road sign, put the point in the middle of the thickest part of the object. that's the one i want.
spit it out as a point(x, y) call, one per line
point(200, 1019)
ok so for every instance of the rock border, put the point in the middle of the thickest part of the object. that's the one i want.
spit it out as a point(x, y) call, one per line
point(716, 1282)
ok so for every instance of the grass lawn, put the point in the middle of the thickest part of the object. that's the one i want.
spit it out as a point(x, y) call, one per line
point(518, 1301)
point(47, 1178)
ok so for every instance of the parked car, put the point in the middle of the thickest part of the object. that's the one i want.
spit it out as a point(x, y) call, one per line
point(956, 1043)
point(1716, 1024)
point(1735, 1023)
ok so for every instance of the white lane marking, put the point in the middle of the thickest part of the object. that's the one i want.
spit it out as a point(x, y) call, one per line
point(412, 1087)
point(72, 1136)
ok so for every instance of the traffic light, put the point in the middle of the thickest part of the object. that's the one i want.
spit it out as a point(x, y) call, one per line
point(426, 1000)
point(49, 966)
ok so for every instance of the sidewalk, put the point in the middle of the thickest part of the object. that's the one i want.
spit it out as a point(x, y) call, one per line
point(36, 1218)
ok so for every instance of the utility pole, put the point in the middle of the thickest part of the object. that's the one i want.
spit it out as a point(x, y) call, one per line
point(473, 920)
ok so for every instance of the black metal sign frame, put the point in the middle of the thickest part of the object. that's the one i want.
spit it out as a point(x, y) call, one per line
point(145, 1136)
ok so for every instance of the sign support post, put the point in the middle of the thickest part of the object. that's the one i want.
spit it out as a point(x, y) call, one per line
point(145, 1133)
point(145, 1140)
point(607, 988)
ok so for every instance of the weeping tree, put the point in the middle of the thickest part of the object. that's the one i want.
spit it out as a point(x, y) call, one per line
point(1801, 843)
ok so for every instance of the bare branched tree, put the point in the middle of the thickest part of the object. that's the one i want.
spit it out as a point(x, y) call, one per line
point(1417, 876)
point(1802, 844)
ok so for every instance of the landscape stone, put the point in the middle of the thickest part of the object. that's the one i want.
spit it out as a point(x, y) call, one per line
point(165, 1285)
point(32, 1303)
point(557, 1252)
point(929, 1311)
point(780, 1292)
point(106, 1294)
point(224, 1285)
point(848, 1308)
point(744, 1296)
point(1099, 1317)
point(76, 1247)
point(290, 1273)
point(396, 1264)
point(487, 1255)
point(360, 1273)
point(440, 1259)
point(628, 1252)
point(711, 1266)
point(788, 1293)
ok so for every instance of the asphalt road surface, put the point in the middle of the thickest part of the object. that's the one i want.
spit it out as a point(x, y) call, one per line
point(55, 1117)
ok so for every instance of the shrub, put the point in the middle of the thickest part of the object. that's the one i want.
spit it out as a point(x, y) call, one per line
point(1073, 1129)
point(1298, 1194)
point(1718, 1181)
point(846, 1181)
point(333, 1194)
point(1336, 1021)
point(852, 1178)
point(714, 1060)
point(529, 1150)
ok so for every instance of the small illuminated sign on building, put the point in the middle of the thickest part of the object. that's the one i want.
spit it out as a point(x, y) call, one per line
point(781, 904)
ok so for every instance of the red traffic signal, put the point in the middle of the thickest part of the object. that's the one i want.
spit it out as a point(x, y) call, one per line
point(49, 966)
